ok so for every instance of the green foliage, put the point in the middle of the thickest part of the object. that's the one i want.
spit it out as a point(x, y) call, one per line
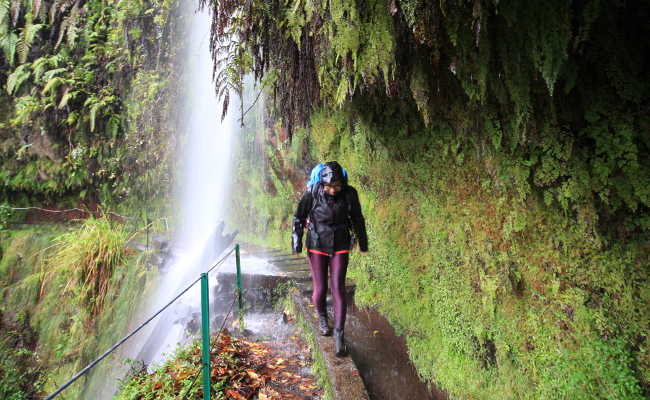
point(498, 294)
point(361, 48)
point(328, 50)
point(557, 90)
point(86, 259)
point(71, 74)
point(20, 375)
point(77, 308)
point(5, 215)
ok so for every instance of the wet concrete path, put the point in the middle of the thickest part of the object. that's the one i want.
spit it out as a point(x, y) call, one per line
point(379, 354)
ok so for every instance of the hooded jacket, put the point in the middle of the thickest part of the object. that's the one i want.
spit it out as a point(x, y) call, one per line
point(331, 218)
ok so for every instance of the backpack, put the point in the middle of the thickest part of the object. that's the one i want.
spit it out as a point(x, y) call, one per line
point(314, 183)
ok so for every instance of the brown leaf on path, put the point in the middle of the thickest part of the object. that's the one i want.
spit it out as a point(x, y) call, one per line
point(266, 393)
point(235, 395)
point(252, 374)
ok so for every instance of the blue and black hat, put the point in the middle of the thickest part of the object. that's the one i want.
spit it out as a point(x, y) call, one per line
point(315, 176)
point(332, 172)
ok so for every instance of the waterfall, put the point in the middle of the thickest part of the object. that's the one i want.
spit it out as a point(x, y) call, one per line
point(201, 198)
point(202, 189)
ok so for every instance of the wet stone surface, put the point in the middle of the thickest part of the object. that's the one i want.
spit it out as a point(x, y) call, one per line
point(382, 359)
point(379, 354)
point(375, 350)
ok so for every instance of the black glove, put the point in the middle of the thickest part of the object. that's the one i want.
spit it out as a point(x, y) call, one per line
point(296, 243)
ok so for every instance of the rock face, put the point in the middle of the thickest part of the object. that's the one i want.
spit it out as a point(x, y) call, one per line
point(42, 145)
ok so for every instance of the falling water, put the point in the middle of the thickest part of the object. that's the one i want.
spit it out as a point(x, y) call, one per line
point(202, 191)
point(202, 198)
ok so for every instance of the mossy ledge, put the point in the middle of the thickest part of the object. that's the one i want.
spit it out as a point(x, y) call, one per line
point(502, 163)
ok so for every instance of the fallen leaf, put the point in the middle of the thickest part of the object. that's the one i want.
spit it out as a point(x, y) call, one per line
point(235, 395)
point(252, 374)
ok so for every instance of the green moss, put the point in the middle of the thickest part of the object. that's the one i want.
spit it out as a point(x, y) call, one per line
point(505, 295)
point(44, 275)
point(73, 94)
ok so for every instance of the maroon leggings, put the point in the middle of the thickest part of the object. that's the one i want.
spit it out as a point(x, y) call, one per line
point(338, 266)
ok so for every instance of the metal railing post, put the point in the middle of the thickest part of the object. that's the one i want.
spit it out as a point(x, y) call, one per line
point(205, 333)
point(205, 320)
point(239, 290)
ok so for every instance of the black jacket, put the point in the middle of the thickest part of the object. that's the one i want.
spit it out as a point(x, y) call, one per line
point(331, 218)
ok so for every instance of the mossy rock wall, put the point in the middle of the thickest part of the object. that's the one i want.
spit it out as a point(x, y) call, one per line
point(502, 165)
point(87, 110)
point(72, 290)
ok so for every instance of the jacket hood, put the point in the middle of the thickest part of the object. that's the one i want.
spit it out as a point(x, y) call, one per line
point(332, 172)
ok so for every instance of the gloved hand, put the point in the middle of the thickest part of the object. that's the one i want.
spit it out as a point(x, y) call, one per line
point(296, 243)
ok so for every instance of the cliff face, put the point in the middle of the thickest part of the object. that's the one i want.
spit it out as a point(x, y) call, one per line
point(501, 154)
point(500, 150)
point(86, 108)
point(86, 120)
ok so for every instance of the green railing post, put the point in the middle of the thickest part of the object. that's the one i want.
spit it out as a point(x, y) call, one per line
point(205, 333)
point(239, 291)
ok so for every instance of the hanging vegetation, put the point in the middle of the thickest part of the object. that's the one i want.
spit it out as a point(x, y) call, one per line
point(81, 80)
point(560, 89)
point(502, 156)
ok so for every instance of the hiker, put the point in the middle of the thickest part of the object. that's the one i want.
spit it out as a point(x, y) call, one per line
point(330, 210)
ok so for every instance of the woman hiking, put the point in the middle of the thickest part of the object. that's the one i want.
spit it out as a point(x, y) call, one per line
point(330, 210)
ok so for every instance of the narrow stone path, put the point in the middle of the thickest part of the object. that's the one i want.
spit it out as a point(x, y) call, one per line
point(378, 357)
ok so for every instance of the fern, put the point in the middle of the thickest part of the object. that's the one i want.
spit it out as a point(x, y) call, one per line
point(69, 26)
point(113, 125)
point(93, 115)
point(27, 35)
point(16, 79)
point(95, 105)
point(38, 68)
point(5, 9)
point(8, 43)
point(36, 7)
point(54, 9)
point(15, 11)
point(53, 72)
point(52, 85)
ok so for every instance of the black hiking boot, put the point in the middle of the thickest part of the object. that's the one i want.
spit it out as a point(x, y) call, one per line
point(339, 343)
point(323, 328)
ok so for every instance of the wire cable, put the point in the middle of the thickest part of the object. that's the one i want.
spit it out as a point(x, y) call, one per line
point(61, 211)
point(127, 337)
point(215, 265)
